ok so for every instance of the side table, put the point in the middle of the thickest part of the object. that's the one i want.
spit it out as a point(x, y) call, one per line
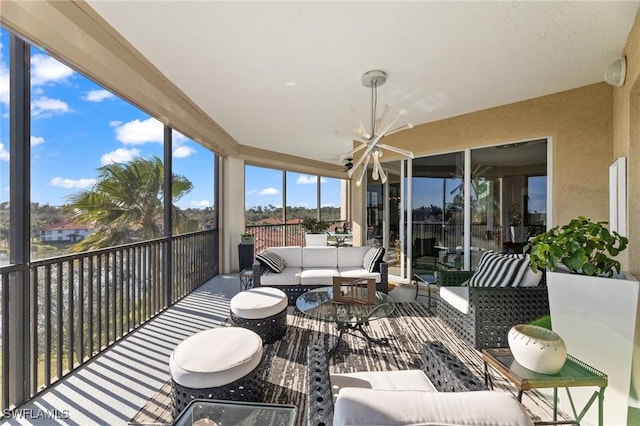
point(574, 373)
point(246, 279)
point(428, 279)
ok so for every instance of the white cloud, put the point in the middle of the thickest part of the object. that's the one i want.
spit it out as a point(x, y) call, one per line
point(47, 107)
point(138, 132)
point(183, 151)
point(37, 140)
point(4, 154)
point(200, 204)
point(72, 183)
point(4, 80)
point(309, 180)
point(45, 69)
point(120, 155)
point(269, 191)
point(97, 95)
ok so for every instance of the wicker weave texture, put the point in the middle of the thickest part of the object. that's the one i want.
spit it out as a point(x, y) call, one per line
point(294, 290)
point(492, 311)
point(319, 395)
point(247, 388)
point(270, 329)
point(446, 372)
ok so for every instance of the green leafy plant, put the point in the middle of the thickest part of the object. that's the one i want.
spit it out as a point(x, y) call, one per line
point(314, 226)
point(582, 246)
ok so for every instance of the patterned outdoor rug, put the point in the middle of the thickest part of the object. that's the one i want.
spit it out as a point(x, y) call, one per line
point(285, 376)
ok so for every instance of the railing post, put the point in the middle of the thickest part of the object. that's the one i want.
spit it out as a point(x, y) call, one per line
point(168, 232)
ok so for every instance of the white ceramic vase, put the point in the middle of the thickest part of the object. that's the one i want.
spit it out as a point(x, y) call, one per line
point(537, 348)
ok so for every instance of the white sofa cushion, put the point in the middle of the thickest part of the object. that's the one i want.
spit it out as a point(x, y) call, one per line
point(386, 380)
point(320, 276)
point(357, 406)
point(351, 257)
point(215, 357)
point(259, 303)
point(358, 272)
point(292, 255)
point(458, 297)
point(319, 257)
point(288, 276)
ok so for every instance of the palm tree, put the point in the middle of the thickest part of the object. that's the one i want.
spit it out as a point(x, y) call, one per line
point(126, 201)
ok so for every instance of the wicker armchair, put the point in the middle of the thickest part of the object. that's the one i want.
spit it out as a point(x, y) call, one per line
point(492, 310)
point(445, 371)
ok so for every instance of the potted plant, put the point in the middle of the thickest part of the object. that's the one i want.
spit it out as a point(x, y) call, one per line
point(517, 232)
point(316, 231)
point(593, 304)
point(247, 238)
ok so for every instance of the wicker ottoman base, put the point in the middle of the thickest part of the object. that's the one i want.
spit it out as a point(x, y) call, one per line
point(271, 329)
point(247, 388)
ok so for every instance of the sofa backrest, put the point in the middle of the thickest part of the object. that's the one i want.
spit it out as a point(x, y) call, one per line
point(319, 257)
point(292, 255)
point(351, 257)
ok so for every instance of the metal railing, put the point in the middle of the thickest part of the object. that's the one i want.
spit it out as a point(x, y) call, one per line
point(79, 305)
point(281, 235)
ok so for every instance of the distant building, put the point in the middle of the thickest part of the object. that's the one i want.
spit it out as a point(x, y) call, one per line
point(67, 231)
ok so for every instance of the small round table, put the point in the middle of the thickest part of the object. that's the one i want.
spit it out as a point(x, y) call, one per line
point(318, 303)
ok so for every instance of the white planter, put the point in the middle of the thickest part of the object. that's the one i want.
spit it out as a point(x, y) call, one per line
point(537, 348)
point(597, 317)
point(315, 240)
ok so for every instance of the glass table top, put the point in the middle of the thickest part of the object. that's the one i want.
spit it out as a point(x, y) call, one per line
point(203, 412)
point(318, 303)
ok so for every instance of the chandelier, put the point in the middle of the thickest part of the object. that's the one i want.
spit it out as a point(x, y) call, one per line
point(379, 128)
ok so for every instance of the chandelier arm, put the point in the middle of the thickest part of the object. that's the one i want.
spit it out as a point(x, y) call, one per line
point(383, 176)
point(397, 150)
point(400, 128)
point(364, 133)
point(388, 126)
point(363, 172)
point(350, 153)
point(382, 117)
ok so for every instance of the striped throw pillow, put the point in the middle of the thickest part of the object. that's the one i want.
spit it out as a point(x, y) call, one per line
point(372, 259)
point(271, 261)
point(498, 270)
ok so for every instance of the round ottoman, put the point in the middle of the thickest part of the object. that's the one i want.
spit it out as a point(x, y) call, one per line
point(221, 363)
point(263, 310)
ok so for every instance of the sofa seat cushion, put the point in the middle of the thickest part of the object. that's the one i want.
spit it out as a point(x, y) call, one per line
point(358, 272)
point(322, 257)
point(292, 255)
point(458, 297)
point(288, 276)
point(351, 257)
point(322, 276)
point(357, 406)
point(385, 380)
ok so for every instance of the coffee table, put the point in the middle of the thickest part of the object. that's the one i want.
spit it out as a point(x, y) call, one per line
point(209, 412)
point(574, 373)
point(318, 303)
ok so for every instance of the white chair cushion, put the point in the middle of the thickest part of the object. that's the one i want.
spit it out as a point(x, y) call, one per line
point(215, 357)
point(358, 272)
point(258, 303)
point(357, 406)
point(351, 257)
point(387, 380)
point(322, 257)
point(292, 255)
point(458, 297)
point(321, 276)
point(288, 276)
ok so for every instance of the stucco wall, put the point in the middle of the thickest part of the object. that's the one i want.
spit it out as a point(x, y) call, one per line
point(626, 142)
point(579, 122)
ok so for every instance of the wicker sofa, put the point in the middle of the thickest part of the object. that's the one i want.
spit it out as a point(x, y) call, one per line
point(444, 392)
point(312, 267)
point(491, 311)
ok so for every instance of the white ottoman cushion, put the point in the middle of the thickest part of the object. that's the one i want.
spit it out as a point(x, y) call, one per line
point(370, 407)
point(258, 303)
point(215, 357)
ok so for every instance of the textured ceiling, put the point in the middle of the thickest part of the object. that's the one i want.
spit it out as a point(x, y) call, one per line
point(282, 75)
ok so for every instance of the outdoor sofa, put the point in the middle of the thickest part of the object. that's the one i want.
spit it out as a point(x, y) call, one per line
point(306, 268)
point(482, 315)
point(444, 392)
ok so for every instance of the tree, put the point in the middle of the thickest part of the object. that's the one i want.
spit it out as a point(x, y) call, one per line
point(126, 203)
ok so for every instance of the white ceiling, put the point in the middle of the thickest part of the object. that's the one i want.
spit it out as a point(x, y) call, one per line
point(281, 75)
